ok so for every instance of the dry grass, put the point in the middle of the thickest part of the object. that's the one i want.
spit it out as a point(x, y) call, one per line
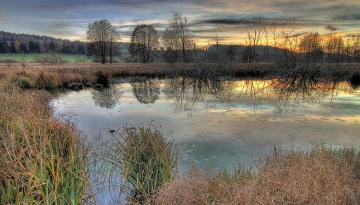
point(42, 160)
point(76, 76)
point(317, 177)
point(146, 159)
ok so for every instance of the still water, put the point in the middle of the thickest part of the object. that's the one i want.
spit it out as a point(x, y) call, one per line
point(221, 123)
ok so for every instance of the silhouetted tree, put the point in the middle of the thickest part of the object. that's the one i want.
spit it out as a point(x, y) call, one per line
point(144, 40)
point(310, 47)
point(254, 36)
point(334, 49)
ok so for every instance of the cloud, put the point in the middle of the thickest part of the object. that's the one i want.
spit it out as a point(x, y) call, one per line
point(331, 28)
point(69, 18)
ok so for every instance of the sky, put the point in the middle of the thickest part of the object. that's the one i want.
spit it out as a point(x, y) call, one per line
point(227, 19)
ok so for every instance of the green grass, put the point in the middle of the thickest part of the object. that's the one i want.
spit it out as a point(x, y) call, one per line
point(27, 58)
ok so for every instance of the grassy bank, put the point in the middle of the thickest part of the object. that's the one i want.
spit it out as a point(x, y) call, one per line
point(320, 176)
point(42, 160)
point(78, 76)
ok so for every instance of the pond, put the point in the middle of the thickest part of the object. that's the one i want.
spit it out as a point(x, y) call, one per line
point(221, 123)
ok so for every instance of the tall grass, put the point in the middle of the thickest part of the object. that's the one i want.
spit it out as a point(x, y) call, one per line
point(320, 176)
point(146, 159)
point(42, 160)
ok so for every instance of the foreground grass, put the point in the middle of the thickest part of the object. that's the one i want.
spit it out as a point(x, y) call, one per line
point(42, 160)
point(320, 176)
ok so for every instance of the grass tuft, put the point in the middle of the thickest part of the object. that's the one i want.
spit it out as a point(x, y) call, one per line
point(147, 161)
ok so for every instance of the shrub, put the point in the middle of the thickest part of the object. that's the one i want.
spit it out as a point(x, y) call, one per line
point(45, 81)
point(355, 80)
point(102, 78)
point(24, 83)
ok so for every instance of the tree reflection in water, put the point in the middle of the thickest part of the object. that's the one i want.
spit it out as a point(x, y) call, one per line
point(107, 97)
point(187, 92)
point(287, 92)
point(146, 91)
point(283, 93)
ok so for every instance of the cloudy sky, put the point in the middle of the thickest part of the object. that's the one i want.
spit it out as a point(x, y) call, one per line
point(227, 19)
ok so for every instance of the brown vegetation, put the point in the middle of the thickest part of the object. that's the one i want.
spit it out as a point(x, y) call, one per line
point(317, 177)
point(75, 76)
point(42, 159)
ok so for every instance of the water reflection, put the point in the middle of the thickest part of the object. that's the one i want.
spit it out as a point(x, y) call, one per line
point(284, 94)
point(220, 122)
point(186, 92)
point(107, 97)
point(146, 91)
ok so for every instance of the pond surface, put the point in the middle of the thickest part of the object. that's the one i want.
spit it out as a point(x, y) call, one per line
point(221, 123)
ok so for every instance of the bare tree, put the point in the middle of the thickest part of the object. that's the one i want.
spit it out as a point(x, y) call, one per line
point(334, 49)
point(356, 47)
point(310, 47)
point(144, 40)
point(180, 26)
point(289, 46)
point(172, 45)
point(254, 36)
point(100, 35)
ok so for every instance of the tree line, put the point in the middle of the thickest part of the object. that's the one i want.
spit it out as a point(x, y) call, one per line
point(24, 43)
point(262, 43)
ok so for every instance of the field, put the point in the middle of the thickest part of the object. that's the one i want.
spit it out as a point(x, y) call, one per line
point(28, 58)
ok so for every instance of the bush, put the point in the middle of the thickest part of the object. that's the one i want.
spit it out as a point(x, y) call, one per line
point(102, 78)
point(45, 81)
point(24, 83)
point(355, 80)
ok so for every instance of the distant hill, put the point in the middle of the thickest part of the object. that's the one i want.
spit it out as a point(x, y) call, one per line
point(240, 52)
